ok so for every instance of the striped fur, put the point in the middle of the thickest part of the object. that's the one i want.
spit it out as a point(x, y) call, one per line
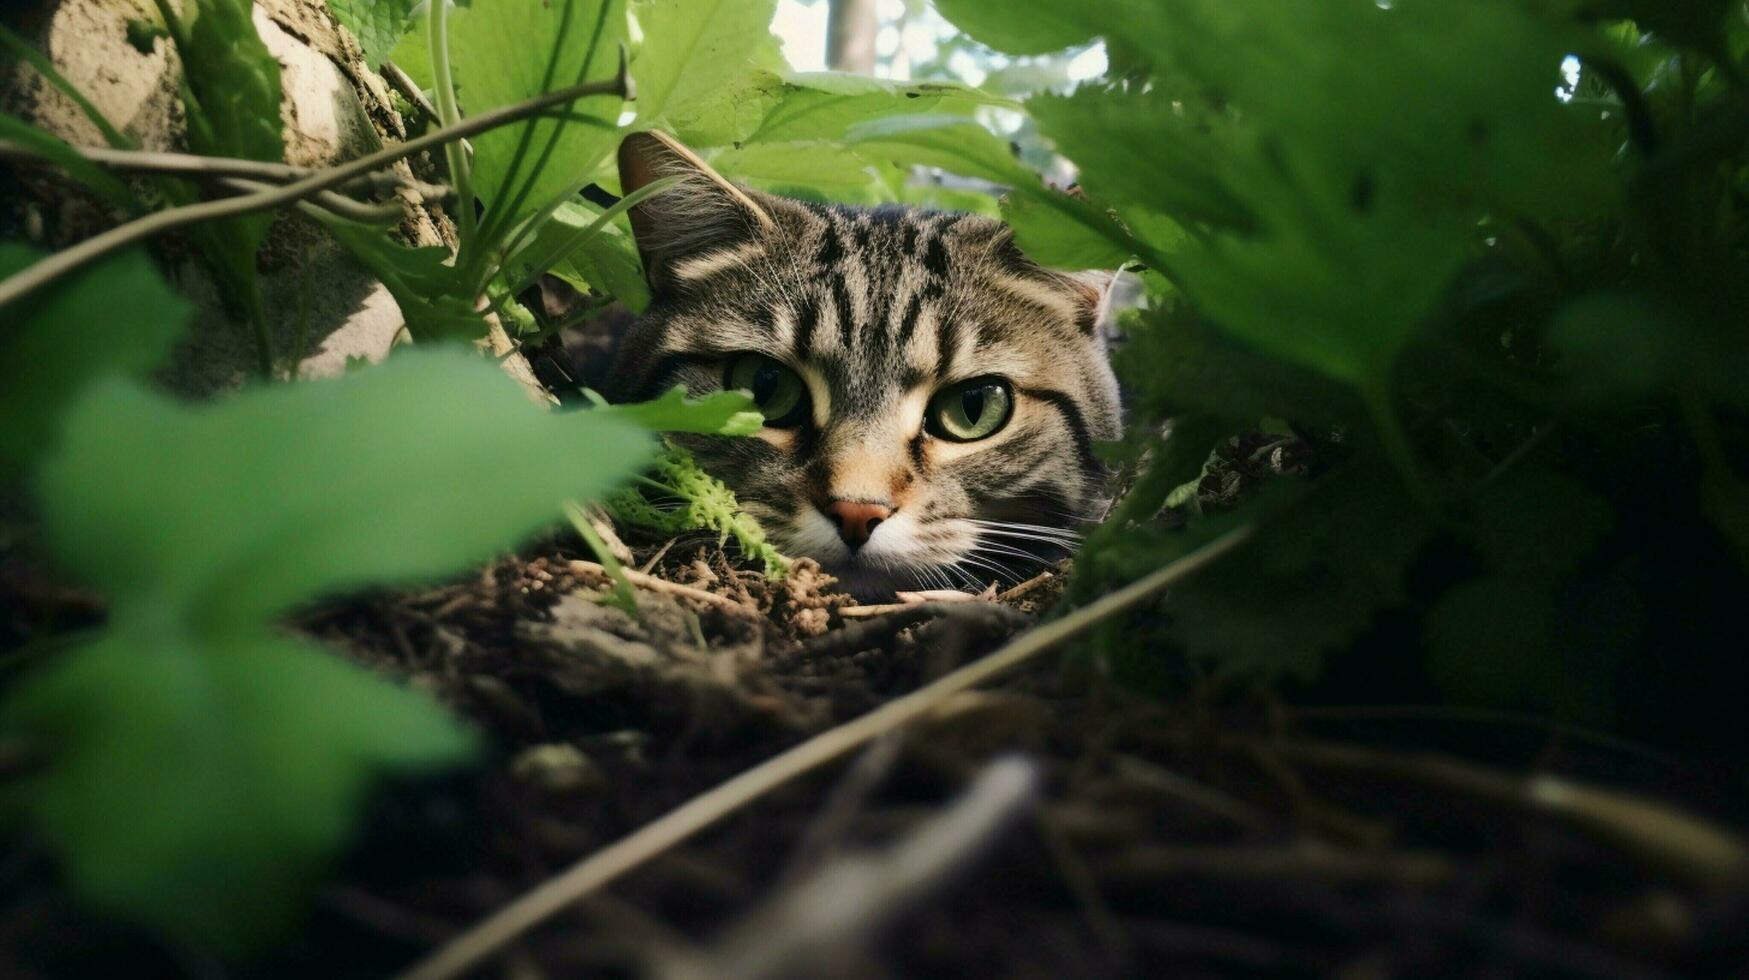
point(878, 309)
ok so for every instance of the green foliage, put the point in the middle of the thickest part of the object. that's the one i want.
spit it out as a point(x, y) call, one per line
point(184, 780)
point(231, 96)
point(378, 24)
point(705, 503)
point(506, 51)
point(1419, 264)
point(721, 413)
point(694, 49)
point(199, 783)
point(434, 305)
point(117, 317)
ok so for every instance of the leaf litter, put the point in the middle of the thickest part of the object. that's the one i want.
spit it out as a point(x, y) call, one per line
point(1208, 836)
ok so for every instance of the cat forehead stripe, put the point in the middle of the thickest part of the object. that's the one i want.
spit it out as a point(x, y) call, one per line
point(711, 263)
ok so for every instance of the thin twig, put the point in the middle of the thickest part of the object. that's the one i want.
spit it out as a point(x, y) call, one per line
point(68, 260)
point(797, 932)
point(196, 166)
point(536, 906)
point(361, 211)
point(646, 581)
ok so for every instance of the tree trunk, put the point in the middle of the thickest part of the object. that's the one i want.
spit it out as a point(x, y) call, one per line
point(851, 26)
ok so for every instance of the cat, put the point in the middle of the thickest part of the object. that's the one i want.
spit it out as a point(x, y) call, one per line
point(932, 398)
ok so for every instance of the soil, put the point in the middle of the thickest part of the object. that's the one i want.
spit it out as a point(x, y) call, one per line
point(1204, 835)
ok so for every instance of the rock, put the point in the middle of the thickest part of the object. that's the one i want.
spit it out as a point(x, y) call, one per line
point(322, 309)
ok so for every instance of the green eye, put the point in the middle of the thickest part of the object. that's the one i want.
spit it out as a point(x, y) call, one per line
point(776, 390)
point(970, 410)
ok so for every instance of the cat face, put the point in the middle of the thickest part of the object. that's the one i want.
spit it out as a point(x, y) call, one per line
point(932, 397)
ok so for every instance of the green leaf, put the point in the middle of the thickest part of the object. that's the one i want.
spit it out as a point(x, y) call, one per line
point(1306, 583)
point(199, 784)
point(825, 105)
point(428, 289)
point(607, 263)
point(378, 24)
point(508, 51)
point(721, 413)
point(809, 163)
point(114, 317)
point(953, 144)
point(407, 471)
point(1147, 151)
point(1049, 238)
point(734, 111)
point(56, 151)
point(693, 49)
point(231, 91)
point(1027, 26)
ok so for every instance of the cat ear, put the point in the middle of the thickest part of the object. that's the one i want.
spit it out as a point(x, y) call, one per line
point(1089, 291)
point(702, 216)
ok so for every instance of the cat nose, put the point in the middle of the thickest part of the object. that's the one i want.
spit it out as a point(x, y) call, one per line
point(856, 519)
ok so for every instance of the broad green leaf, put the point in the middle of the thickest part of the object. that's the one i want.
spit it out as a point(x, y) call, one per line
point(1029, 26)
point(1051, 241)
point(114, 317)
point(199, 784)
point(720, 413)
point(433, 298)
point(693, 49)
point(956, 145)
point(1329, 286)
point(809, 163)
point(1397, 88)
point(508, 51)
point(1148, 151)
point(56, 151)
point(825, 105)
point(237, 511)
point(378, 24)
point(732, 112)
point(606, 262)
point(609, 264)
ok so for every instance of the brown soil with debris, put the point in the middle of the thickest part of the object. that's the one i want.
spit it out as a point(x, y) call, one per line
point(1209, 835)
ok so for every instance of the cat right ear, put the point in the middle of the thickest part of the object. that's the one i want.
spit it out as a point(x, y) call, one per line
point(694, 226)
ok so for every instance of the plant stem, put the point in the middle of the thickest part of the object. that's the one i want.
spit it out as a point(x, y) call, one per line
point(82, 254)
point(449, 114)
point(469, 949)
point(198, 166)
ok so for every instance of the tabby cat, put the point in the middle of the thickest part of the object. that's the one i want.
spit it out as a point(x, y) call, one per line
point(931, 397)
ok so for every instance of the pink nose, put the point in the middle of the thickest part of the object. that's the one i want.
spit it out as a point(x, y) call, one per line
point(856, 519)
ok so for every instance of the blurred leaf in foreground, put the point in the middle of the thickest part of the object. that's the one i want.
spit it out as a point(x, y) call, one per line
point(114, 317)
point(186, 784)
point(199, 784)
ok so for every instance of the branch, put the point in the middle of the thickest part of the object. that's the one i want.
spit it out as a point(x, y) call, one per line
point(797, 932)
point(68, 260)
point(360, 211)
point(196, 166)
point(486, 937)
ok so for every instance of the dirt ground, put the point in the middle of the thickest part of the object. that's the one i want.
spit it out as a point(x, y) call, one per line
point(1202, 836)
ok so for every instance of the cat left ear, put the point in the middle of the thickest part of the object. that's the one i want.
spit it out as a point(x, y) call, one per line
point(1093, 291)
point(701, 215)
point(1089, 291)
